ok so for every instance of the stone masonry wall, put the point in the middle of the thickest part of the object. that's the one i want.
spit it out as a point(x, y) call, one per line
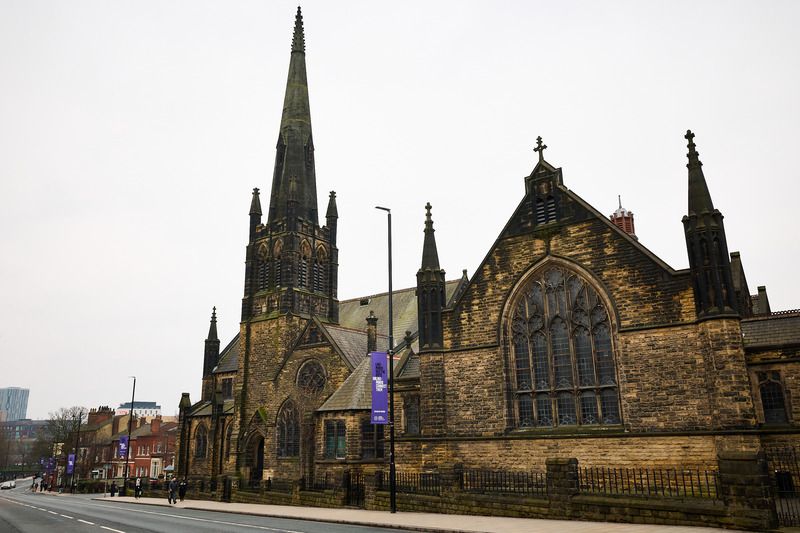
point(272, 381)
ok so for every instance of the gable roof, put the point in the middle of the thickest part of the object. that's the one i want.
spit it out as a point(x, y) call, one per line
point(355, 393)
point(229, 358)
point(350, 343)
point(353, 315)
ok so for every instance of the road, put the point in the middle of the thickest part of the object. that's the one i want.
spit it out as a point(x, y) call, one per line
point(24, 511)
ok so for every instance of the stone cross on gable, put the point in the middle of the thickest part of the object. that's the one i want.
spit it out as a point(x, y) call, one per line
point(540, 148)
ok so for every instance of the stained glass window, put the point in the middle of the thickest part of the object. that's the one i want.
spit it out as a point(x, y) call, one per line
point(563, 358)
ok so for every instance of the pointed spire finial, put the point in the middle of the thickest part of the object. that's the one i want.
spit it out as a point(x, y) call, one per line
point(255, 204)
point(430, 255)
point(619, 199)
point(212, 328)
point(693, 155)
point(540, 148)
point(332, 211)
point(299, 38)
point(699, 197)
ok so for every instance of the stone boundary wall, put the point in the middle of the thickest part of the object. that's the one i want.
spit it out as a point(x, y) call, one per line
point(745, 498)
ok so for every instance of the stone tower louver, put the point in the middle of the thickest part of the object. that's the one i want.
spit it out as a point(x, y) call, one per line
point(292, 261)
point(707, 246)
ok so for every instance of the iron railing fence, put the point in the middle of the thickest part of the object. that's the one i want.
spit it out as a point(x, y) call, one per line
point(280, 485)
point(504, 482)
point(784, 471)
point(664, 482)
point(320, 482)
point(417, 483)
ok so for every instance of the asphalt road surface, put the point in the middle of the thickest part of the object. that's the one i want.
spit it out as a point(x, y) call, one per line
point(24, 511)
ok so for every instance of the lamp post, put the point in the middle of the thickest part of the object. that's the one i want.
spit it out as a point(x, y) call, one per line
point(128, 447)
point(392, 471)
point(77, 452)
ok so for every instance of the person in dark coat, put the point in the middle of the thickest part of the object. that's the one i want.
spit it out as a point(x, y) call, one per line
point(173, 487)
point(113, 489)
point(182, 487)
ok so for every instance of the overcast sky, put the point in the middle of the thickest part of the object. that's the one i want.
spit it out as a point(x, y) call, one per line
point(131, 135)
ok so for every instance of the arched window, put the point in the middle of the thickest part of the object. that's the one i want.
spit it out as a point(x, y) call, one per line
point(772, 398)
point(263, 267)
point(302, 270)
point(320, 274)
point(276, 262)
point(311, 377)
point(564, 372)
point(200, 442)
point(288, 431)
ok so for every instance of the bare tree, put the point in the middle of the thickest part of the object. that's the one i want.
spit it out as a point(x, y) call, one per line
point(63, 422)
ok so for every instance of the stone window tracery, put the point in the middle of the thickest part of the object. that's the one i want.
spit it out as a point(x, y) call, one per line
point(288, 427)
point(311, 377)
point(562, 354)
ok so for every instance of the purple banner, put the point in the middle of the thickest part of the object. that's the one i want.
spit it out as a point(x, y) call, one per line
point(51, 464)
point(123, 445)
point(380, 388)
point(70, 463)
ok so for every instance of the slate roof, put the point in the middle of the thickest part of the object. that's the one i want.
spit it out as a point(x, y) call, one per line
point(205, 408)
point(229, 358)
point(776, 330)
point(353, 343)
point(355, 392)
point(404, 308)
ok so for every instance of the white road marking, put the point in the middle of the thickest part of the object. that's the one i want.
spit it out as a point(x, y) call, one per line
point(65, 516)
point(52, 512)
point(86, 522)
point(112, 529)
point(252, 526)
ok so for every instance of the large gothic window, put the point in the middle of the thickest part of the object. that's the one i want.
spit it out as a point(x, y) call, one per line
point(288, 431)
point(562, 354)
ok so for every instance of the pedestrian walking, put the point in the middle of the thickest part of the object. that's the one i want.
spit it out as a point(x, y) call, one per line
point(137, 490)
point(183, 486)
point(173, 486)
point(113, 489)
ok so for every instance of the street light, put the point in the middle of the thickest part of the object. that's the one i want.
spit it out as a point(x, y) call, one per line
point(392, 471)
point(128, 447)
point(77, 452)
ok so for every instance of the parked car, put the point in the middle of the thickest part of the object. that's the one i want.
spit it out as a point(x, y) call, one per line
point(8, 485)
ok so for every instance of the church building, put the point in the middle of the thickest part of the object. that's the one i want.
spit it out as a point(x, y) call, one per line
point(571, 339)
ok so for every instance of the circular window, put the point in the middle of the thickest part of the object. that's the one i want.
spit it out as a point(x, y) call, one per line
point(311, 378)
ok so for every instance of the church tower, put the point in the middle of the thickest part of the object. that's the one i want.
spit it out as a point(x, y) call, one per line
point(707, 246)
point(292, 261)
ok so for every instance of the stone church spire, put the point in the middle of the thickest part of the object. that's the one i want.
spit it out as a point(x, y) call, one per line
point(210, 356)
point(291, 267)
point(707, 245)
point(430, 290)
point(294, 157)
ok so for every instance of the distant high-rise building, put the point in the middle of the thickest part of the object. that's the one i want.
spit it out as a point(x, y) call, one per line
point(14, 403)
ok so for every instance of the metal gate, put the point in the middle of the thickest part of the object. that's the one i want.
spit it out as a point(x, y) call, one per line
point(354, 489)
point(785, 473)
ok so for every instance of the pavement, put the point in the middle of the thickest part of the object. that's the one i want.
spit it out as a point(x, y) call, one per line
point(431, 522)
